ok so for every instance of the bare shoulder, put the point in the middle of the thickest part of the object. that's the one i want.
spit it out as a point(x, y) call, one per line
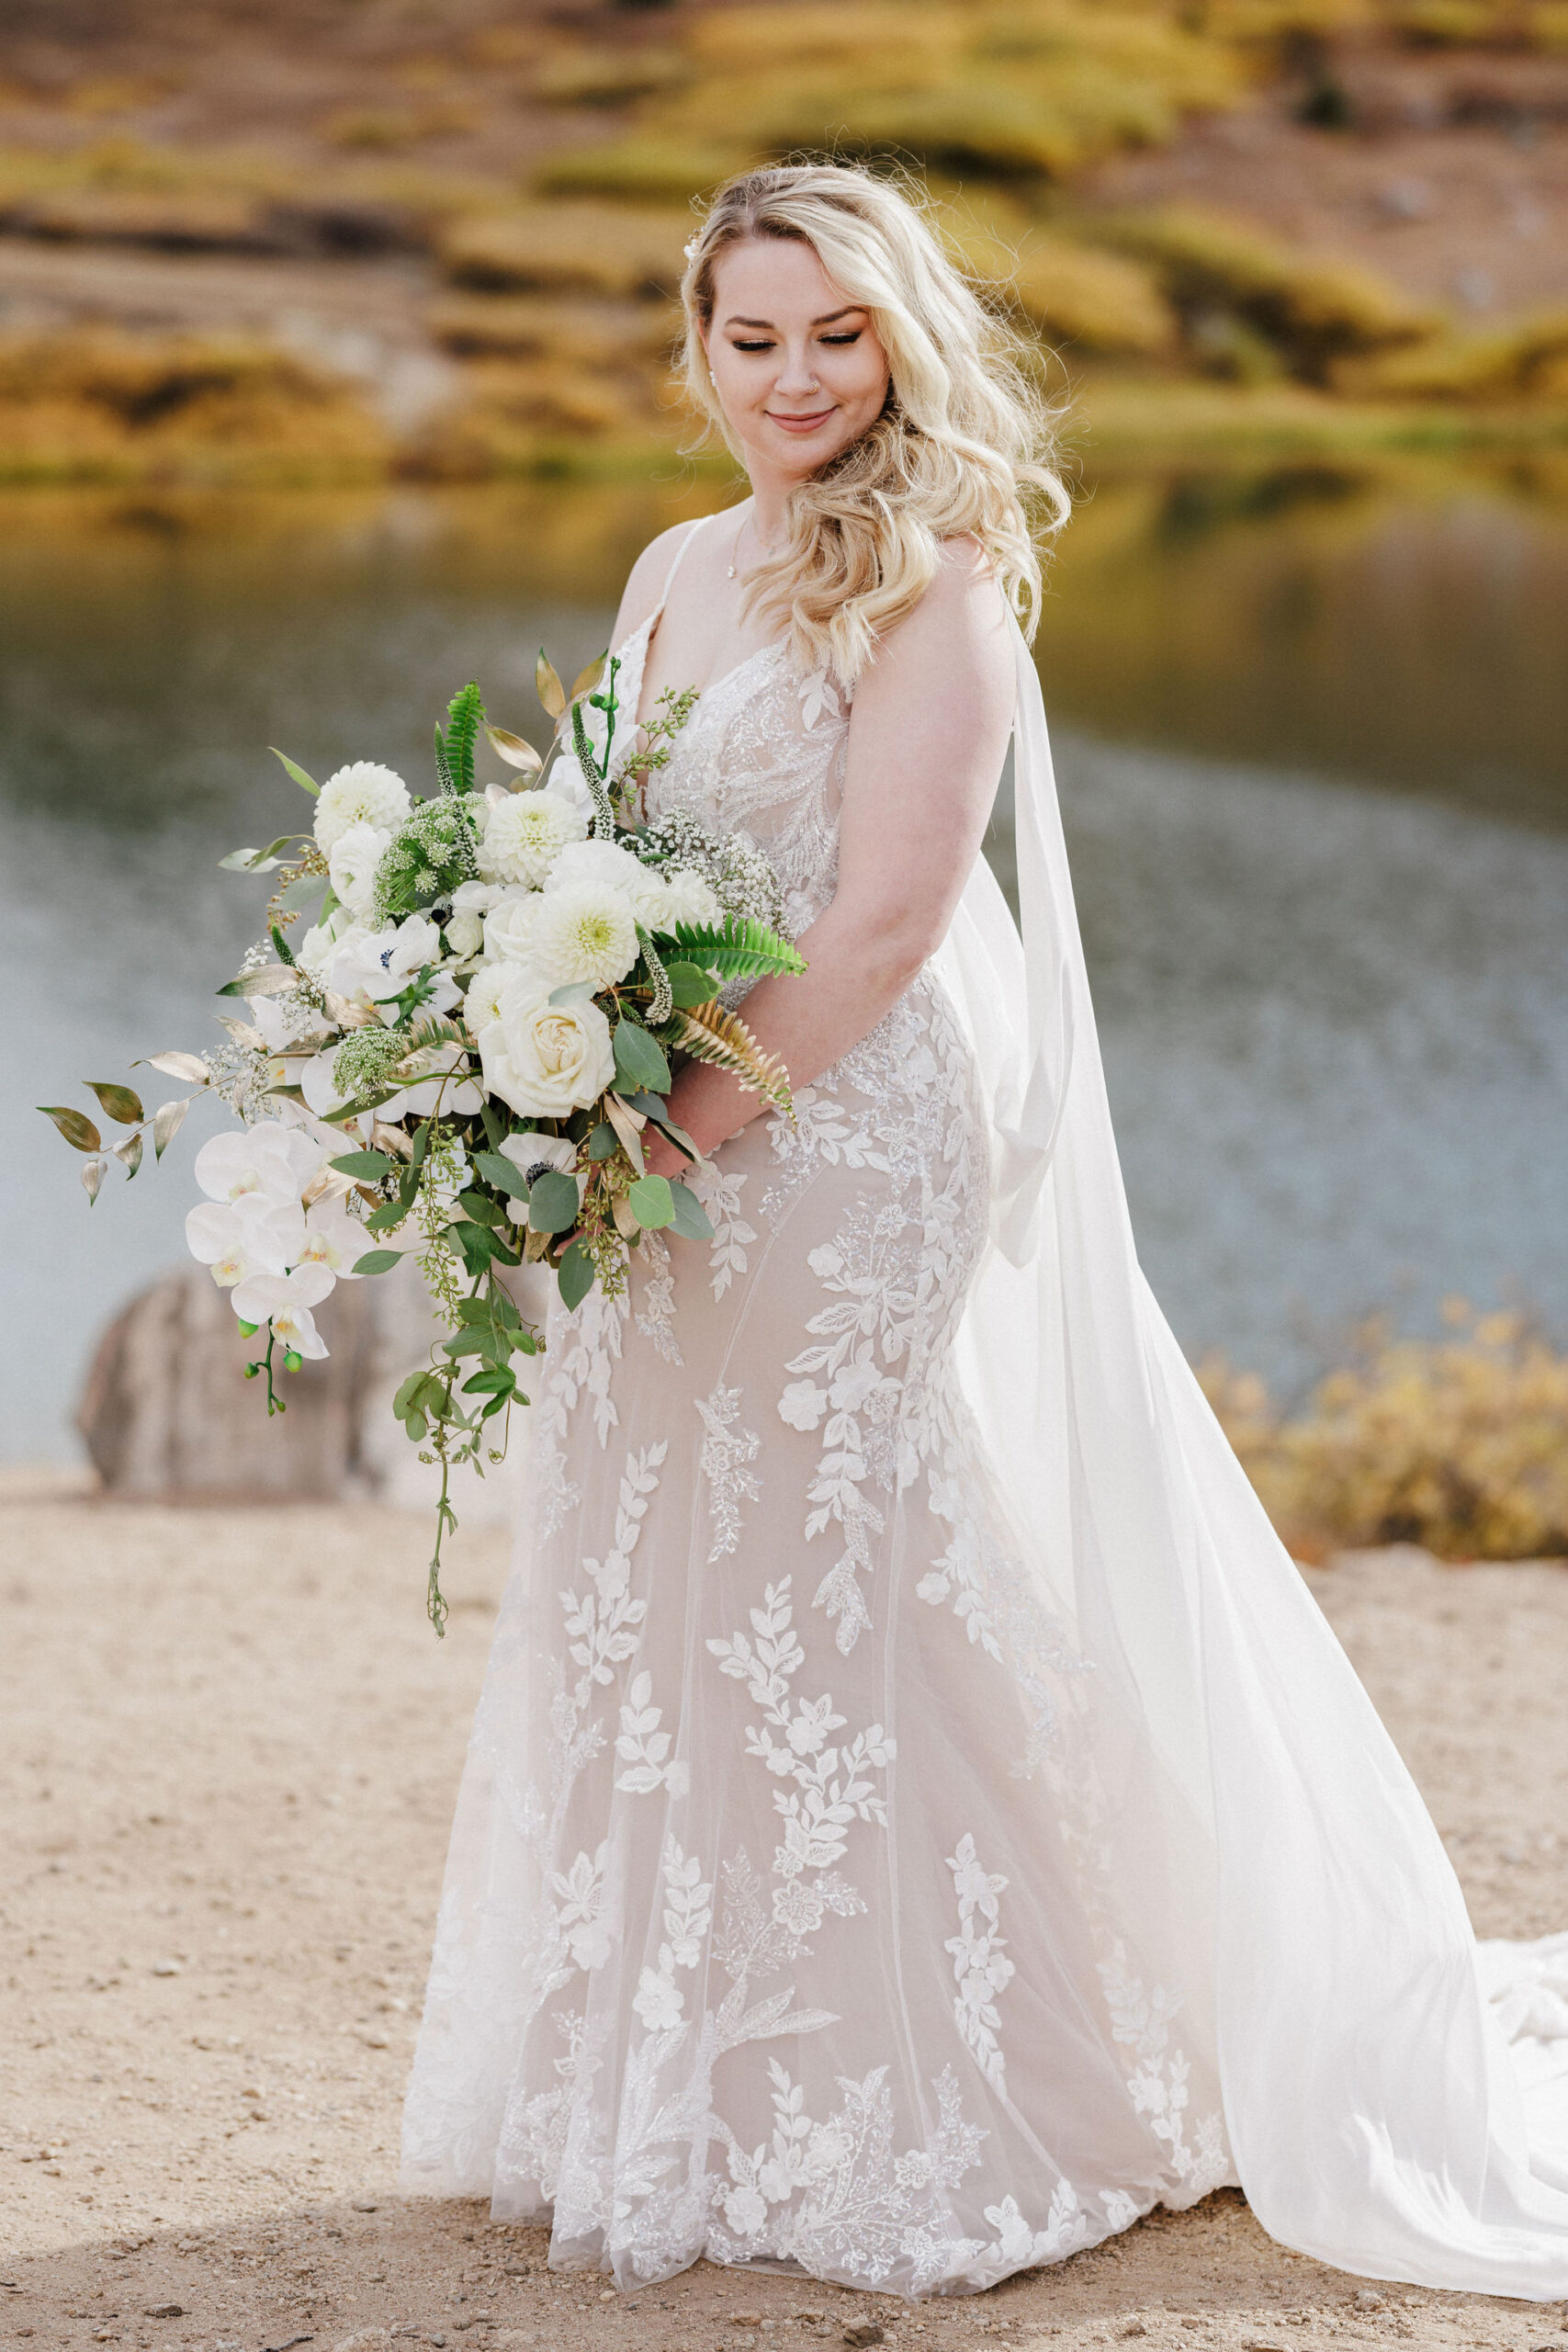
point(645, 582)
point(957, 640)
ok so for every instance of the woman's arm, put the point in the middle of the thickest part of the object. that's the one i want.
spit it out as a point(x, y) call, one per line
point(927, 740)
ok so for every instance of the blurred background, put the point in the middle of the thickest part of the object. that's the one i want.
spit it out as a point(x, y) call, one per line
point(334, 369)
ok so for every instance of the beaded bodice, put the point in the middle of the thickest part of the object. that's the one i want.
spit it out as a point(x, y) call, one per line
point(762, 754)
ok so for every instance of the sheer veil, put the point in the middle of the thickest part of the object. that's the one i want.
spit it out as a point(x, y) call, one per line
point(1395, 2095)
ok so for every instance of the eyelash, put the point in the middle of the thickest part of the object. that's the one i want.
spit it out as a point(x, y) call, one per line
point(839, 342)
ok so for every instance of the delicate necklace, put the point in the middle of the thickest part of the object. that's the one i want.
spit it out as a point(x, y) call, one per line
point(735, 550)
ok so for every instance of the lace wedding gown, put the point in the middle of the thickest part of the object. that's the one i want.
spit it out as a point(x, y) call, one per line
point(916, 1820)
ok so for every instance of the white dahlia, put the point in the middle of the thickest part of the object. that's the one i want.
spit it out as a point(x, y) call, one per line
point(361, 794)
point(524, 832)
point(608, 863)
point(585, 933)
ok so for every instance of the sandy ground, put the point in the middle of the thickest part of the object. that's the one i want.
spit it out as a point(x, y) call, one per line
point(231, 1746)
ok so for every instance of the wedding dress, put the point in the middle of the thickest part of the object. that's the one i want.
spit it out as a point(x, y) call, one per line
point(917, 1820)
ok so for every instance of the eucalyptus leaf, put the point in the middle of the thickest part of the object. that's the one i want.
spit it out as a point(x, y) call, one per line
point(639, 1058)
point(553, 1203)
point(575, 1276)
point(302, 892)
point(362, 1163)
point(167, 1121)
point(190, 1066)
point(76, 1127)
point(306, 783)
point(652, 1202)
point(498, 1169)
point(573, 992)
point(691, 1219)
point(377, 1261)
point(122, 1106)
point(690, 985)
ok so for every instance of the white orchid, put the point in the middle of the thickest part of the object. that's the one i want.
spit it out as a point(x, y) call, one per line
point(364, 793)
point(587, 931)
point(252, 1234)
point(268, 1158)
point(334, 1238)
point(458, 1099)
point(285, 1301)
point(351, 863)
point(525, 832)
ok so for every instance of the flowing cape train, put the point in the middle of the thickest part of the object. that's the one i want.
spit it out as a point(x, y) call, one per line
point(1395, 2094)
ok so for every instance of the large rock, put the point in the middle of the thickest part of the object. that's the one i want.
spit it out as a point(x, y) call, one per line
point(166, 1409)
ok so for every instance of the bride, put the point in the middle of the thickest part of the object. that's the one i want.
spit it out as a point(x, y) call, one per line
point(916, 1819)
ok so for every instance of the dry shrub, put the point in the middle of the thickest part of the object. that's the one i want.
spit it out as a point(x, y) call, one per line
point(537, 326)
point(994, 86)
point(606, 77)
point(1315, 311)
point(569, 248)
point(388, 127)
point(1526, 360)
point(88, 404)
point(1461, 1445)
point(656, 167)
point(528, 416)
point(1098, 303)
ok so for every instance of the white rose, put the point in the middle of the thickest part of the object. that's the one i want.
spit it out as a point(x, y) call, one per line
point(352, 863)
point(509, 928)
point(688, 898)
point(544, 1060)
point(585, 933)
point(606, 862)
point(361, 794)
point(524, 832)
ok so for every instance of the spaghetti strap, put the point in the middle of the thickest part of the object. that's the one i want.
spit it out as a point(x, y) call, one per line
point(679, 558)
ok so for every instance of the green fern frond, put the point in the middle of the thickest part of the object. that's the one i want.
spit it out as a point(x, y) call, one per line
point(709, 1034)
point(741, 947)
point(455, 749)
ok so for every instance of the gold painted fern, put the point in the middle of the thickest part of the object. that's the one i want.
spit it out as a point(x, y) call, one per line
point(710, 1034)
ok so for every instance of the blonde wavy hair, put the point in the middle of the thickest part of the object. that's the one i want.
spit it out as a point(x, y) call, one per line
point(964, 443)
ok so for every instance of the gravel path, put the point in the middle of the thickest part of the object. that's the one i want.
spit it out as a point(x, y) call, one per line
point(230, 1749)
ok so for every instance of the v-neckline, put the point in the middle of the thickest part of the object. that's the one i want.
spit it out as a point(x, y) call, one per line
point(645, 630)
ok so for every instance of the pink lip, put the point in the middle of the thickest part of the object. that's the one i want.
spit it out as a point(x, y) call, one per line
point(800, 424)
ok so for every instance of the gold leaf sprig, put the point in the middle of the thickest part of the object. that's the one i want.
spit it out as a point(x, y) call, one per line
point(711, 1033)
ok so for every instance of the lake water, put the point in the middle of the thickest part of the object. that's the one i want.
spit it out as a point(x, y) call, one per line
point(1312, 732)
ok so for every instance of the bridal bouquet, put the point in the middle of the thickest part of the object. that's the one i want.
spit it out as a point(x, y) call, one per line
point(452, 1040)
